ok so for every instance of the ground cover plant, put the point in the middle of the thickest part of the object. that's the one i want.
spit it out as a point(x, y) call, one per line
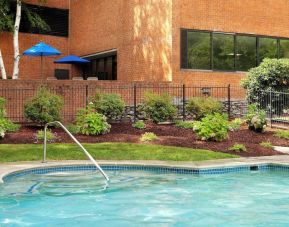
point(159, 108)
point(107, 151)
point(199, 107)
point(44, 107)
point(185, 124)
point(236, 124)
point(267, 144)
point(110, 105)
point(284, 134)
point(148, 137)
point(238, 147)
point(49, 135)
point(139, 125)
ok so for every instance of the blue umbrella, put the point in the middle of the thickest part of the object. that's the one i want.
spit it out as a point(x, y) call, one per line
point(71, 59)
point(41, 49)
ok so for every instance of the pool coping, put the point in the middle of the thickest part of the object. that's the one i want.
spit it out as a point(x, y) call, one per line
point(10, 168)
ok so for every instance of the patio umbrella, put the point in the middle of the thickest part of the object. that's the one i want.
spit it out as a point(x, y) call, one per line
point(71, 59)
point(39, 50)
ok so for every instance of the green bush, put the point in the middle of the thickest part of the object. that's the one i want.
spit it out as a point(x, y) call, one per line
point(256, 119)
point(148, 136)
point(199, 107)
point(5, 124)
point(2, 107)
point(159, 108)
point(49, 135)
point(270, 75)
point(44, 107)
point(267, 144)
point(212, 127)
point(282, 134)
point(91, 123)
point(139, 125)
point(110, 105)
point(73, 129)
point(185, 124)
point(238, 148)
point(236, 124)
point(8, 126)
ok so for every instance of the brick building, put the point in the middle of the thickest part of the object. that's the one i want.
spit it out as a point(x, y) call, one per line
point(199, 42)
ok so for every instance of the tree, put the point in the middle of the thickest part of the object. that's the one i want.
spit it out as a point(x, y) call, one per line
point(6, 24)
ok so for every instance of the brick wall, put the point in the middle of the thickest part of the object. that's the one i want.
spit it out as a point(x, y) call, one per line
point(262, 17)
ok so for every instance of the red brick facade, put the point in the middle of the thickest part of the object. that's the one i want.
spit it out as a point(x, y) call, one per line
point(146, 34)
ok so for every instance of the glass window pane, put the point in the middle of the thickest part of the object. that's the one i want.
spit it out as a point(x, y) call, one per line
point(284, 48)
point(267, 48)
point(223, 52)
point(245, 53)
point(199, 47)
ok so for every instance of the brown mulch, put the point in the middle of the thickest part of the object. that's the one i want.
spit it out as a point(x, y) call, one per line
point(168, 135)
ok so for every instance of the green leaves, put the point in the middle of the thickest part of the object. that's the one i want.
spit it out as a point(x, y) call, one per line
point(212, 127)
point(256, 118)
point(44, 107)
point(159, 108)
point(91, 123)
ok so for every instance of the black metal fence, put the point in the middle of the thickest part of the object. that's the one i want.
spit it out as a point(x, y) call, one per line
point(276, 105)
point(78, 96)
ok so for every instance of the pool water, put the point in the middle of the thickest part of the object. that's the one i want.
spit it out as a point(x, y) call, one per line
point(141, 198)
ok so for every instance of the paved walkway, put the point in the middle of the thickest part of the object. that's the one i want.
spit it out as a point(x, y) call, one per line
point(6, 168)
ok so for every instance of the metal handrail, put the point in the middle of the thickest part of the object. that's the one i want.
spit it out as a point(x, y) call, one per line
point(76, 141)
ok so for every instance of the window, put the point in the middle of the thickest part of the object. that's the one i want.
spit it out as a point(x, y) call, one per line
point(228, 52)
point(246, 56)
point(56, 19)
point(284, 48)
point(223, 52)
point(267, 48)
point(199, 50)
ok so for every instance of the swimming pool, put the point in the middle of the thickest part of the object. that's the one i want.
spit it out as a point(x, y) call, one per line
point(146, 196)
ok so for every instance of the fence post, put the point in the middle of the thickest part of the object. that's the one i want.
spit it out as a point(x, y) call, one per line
point(229, 101)
point(271, 113)
point(184, 102)
point(86, 95)
point(134, 103)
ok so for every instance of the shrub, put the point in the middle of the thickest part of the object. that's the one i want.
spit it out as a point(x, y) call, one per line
point(73, 129)
point(199, 107)
point(238, 148)
point(256, 119)
point(2, 133)
point(185, 124)
point(159, 108)
point(212, 127)
point(49, 135)
point(282, 134)
point(148, 136)
point(110, 105)
point(2, 107)
point(235, 125)
point(139, 125)
point(270, 75)
point(92, 123)
point(8, 126)
point(44, 107)
point(267, 144)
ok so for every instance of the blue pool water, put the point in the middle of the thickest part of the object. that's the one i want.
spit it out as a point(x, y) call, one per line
point(146, 198)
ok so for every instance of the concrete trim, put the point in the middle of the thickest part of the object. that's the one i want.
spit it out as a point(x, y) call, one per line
point(9, 168)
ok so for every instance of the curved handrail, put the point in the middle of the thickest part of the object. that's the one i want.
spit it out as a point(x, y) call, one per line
point(76, 141)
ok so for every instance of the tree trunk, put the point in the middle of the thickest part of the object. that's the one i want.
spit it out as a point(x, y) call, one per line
point(16, 41)
point(2, 67)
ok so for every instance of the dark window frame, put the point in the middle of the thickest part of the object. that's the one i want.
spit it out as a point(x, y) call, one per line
point(184, 56)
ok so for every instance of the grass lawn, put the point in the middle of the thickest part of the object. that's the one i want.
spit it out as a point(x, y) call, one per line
point(106, 151)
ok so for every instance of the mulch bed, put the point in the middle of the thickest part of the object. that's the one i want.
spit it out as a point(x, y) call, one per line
point(168, 135)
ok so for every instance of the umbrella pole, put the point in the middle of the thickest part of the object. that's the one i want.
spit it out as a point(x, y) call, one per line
point(41, 67)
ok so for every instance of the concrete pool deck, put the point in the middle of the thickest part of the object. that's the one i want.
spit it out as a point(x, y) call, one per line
point(7, 168)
